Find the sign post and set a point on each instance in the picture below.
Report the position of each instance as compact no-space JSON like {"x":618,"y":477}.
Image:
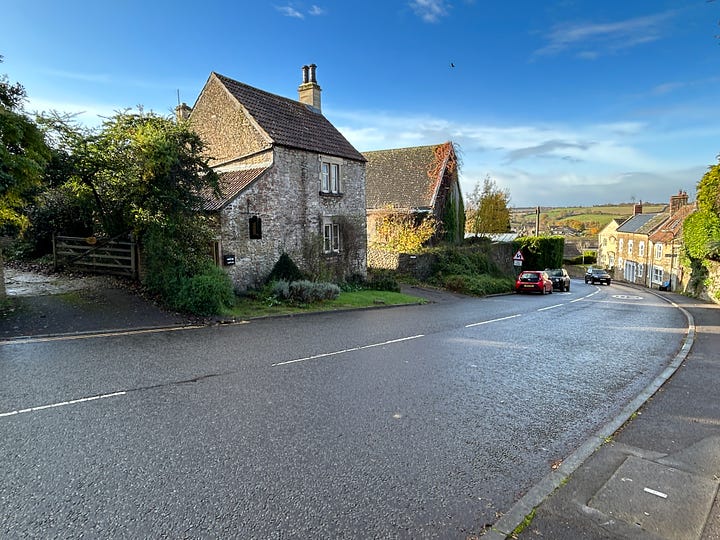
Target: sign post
{"x":518,"y":259}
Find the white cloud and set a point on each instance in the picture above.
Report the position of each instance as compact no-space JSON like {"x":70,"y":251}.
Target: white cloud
{"x":546,"y":164}
{"x":316,"y":10}
{"x":430,"y":10}
{"x":290,"y":11}
{"x":592,"y":40}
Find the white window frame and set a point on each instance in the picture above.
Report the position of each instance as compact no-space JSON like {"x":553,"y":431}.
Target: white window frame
{"x":640,"y":270}
{"x":641,"y":249}
{"x":330,"y":176}
{"x":332,"y":242}
{"x":620,"y":245}
{"x":658,"y":251}
{"x":631,"y":244}
{"x":658,"y":271}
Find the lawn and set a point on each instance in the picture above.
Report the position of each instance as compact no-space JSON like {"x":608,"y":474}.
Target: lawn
{"x":247,"y":308}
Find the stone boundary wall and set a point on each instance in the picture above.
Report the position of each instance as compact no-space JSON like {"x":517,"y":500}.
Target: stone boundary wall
{"x":421,"y":266}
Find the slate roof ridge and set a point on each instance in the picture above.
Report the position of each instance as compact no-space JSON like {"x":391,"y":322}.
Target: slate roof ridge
{"x":289,"y":122}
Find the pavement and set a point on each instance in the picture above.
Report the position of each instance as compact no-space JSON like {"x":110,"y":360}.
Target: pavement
{"x":653,"y":472}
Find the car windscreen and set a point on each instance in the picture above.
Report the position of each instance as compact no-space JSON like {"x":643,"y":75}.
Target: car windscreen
{"x":530,"y":277}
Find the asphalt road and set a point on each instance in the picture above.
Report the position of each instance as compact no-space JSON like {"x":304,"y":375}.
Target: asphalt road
{"x":415,"y":422}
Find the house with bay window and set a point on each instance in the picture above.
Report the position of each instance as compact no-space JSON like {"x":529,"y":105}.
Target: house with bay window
{"x":290,"y":181}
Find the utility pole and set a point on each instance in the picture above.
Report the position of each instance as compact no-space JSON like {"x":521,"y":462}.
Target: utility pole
{"x":537,"y":221}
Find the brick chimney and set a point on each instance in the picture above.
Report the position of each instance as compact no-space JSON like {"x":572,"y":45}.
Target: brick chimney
{"x":309,"y":90}
{"x":182,"y":112}
{"x":637,"y":209}
{"x":678,"y":201}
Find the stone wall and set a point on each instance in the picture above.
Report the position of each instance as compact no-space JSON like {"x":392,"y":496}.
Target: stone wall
{"x":223,"y":126}
{"x":421,"y":266}
{"x":288,"y":202}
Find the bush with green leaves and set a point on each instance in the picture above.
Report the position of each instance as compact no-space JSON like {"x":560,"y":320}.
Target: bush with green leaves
{"x":207,"y":292}
{"x":305,"y":292}
{"x":541,"y":251}
{"x":479,"y":285}
{"x":285,"y":269}
{"x":179,"y":269}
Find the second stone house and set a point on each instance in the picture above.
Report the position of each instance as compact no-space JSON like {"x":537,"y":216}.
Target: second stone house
{"x":643,"y":241}
{"x":291,"y":183}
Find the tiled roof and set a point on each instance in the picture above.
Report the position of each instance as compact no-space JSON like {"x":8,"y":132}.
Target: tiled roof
{"x":291,"y":123}
{"x":673,"y":226}
{"x":399,"y":177}
{"x":231,"y":184}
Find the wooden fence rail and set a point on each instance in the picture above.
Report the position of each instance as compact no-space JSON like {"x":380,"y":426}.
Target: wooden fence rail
{"x":95,"y":255}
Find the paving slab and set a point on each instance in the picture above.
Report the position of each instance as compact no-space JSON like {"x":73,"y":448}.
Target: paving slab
{"x":663,"y":500}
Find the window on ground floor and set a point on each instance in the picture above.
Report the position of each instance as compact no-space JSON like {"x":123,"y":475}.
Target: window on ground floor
{"x":658,"y":274}
{"x":331,"y":237}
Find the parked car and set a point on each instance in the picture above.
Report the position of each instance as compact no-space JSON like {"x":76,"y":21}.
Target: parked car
{"x":533,"y":281}
{"x":597,"y":275}
{"x":560,"y":278}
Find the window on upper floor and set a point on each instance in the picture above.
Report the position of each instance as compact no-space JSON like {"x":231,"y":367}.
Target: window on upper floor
{"x":641,"y":249}
{"x":658,"y":251}
{"x":255,"y":225}
{"x":330,"y":177}
{"x":331,"y":237}
{"x":630,"y":247}
{"x":620,"y":245}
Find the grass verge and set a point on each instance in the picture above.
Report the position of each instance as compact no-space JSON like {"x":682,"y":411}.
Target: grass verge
{"x":247,"y":308}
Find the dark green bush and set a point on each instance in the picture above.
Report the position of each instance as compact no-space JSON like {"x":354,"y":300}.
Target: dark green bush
{"x":540,"y":251}
{"x":285,"y":269}
{"x":382,"y":280}
{"x":479,"y":285}
{"x":207,"y":293}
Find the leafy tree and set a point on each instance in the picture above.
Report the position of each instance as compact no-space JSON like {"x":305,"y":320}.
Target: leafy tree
{"x":701,"y":230}
{"x":404,"y":233}
{"x":23,"y":155}
{"x":145,"y":174}
{"x":488,"y":209}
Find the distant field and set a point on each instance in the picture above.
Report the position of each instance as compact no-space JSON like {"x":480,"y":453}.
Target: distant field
{"x":590,"y":217}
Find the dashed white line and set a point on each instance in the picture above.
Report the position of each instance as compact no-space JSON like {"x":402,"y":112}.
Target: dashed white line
{"x":334,"y":353}
{"x":61,"y":404}
{"x":491,"y":321}
{"x":551,"y":307}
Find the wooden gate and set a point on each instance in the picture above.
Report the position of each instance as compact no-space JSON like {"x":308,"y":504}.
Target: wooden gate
{"x":103,"y":256}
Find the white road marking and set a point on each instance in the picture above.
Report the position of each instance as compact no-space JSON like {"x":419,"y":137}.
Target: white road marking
{"x":550,"y":307}
{"x":90,"y":335}
{"x":491,"y":321}
{"x":334,"y":353}
{"x":658,"y":493}
{"x":61,"y":404}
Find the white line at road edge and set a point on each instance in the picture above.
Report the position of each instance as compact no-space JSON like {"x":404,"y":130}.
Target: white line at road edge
{"x":491,"y":321}
{"x":347,"y":350}
{"x":62,"y":404}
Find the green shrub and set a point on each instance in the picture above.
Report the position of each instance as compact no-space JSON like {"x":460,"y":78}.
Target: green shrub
{"x":478,"y":285}
{"x":304,"y":292}
{"x":382,"y":280}
{"x":540,"y":251}
{"x":285,"y":269}
{"x":207,"y":293}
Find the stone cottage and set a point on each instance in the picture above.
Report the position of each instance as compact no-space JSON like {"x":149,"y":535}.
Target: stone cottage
{"x":649,"y":244}
{"x":291,"y":183}
{"x":418,"y":181}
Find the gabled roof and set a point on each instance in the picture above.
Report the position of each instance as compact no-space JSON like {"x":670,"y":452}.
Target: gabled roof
{"x":231,"y":184}
{"x":399,"y":178}
{"x":642,"y":223}
{"x":290,"y":123}
{"x":673,"y":226}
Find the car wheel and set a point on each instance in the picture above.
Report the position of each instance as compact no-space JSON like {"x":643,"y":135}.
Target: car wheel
{"x":567,"y":288}
{"x":550,"y":291}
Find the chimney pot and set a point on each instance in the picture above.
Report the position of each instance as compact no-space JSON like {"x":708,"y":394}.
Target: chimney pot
{"x":305,"y":74}
{"x":309,"y":90}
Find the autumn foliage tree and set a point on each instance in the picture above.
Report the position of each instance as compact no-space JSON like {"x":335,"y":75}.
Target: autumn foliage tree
{"x":488,"y":209}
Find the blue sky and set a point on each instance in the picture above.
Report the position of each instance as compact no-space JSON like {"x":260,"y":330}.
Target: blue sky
{"x":561,"y":102}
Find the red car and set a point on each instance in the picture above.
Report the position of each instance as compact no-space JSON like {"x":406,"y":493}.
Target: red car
{"x":534,"y":281}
